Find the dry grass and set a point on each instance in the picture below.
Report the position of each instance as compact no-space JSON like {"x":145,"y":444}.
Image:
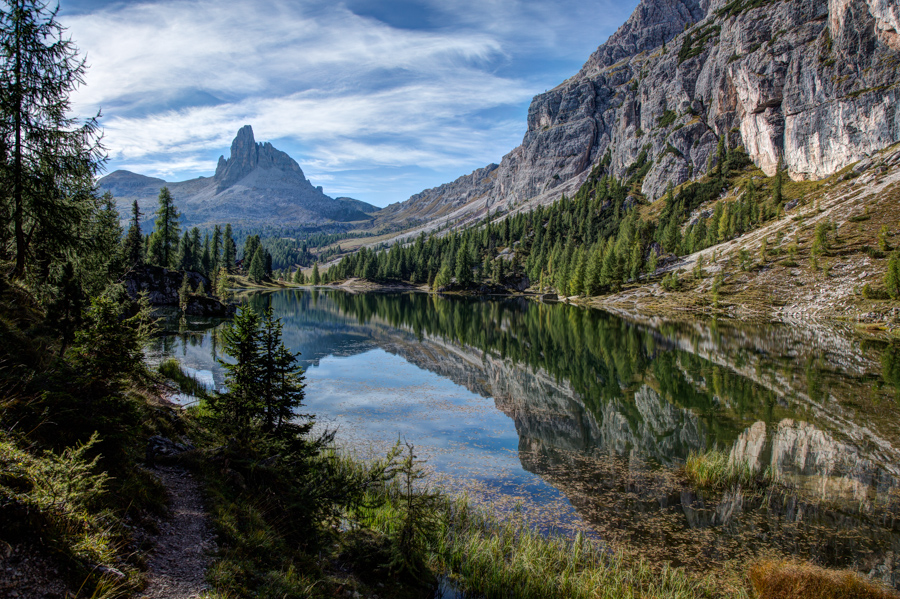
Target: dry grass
{"x":773,"y":579}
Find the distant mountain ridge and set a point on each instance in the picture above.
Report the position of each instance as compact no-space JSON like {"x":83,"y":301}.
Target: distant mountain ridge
{"x":257,"y":185}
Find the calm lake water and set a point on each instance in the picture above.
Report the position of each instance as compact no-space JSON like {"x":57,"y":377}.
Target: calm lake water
{"x":580,"y":418}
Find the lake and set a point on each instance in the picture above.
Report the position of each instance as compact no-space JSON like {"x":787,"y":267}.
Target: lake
{"x":579,"y":419}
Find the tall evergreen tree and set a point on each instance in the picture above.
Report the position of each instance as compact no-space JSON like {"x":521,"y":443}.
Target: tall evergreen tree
{"x":777,"y":193}
{"x":206,"y":257}
{"x":216,"y":250}
{"x":185,"y":254}
{"x":257,"y":271}
{"x":315,"y":274}
{"x":229,"y":249}
{"x":134,"y":241}
{"x":167,"y":230}
{"x":241,"y":404}
{"x":48,"y":163}
{"x":281,"y":377}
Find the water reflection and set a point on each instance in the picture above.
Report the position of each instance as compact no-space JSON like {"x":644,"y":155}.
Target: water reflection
{"x":602,"y":408}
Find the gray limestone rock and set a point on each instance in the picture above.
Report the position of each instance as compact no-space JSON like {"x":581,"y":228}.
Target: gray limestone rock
{"x":812,"y":82}
{"x":257,"y":184}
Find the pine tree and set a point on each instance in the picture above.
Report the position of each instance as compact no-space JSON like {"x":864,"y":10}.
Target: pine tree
{"x":166,"y":232}
{"x":777,"y":184}
{"x":49,"y":162}
{"x":238,"y":408}
{"x":281,"y":379}
{"x":443,"y":277}
{"x":196,"y":249}
{"x":257,"y":271}
{"x":206,"y":257}
{"x":652,"y":262}
{"x":134,"y":241}
{"x":216,"y":250}
{"x":636,"y":261}
{"x":223,"y":290}
{"x":229,"y":250}
{"x":892,"y":276}
{"x":185,"y":257}
{"x":464,"y":267}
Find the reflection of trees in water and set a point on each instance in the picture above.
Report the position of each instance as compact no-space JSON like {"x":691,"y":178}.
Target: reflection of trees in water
{"x":582,"y":384}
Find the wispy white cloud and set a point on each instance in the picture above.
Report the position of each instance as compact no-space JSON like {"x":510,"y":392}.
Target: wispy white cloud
{"x":177,"y":78}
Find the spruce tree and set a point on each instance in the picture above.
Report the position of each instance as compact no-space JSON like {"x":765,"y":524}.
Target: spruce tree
{"x":229,"y":249}
{"x":184,"y":292}
{"x":892,"y":276}
{"x":315,"y":275}
{"x":464,"y":267}
{"x":185,"y":257}
{"x":281,"y":378}
{"x":206,"y":257}
{"x":777,"y":197}
{"x":49,"y":162}
{"x":238,"y":408}
{"x":222,"y":290}
{"x":216,"y":250}
{"x":196,"y":248}
{"x":166,"y":230}
{"x":257,"y":271}
{"x":134,"y":241}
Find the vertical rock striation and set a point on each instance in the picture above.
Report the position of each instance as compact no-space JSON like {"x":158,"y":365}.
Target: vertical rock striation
{"x":812,"y":82}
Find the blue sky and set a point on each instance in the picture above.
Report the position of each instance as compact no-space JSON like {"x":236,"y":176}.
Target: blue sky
{"x":375,"y":100}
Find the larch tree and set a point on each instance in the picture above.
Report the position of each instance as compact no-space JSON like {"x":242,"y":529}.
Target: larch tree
{"x":48,"y":162}
{"x":257,"y":271}
{"x":134,"y":242}
{"x":164,"y":240}
{"x":229,"y":249}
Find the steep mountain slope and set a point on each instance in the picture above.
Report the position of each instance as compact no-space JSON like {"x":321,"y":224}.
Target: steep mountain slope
{"x":812,"y":82}
{"x":258,"y":184}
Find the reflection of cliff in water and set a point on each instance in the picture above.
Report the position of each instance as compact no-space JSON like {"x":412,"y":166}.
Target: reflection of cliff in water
{"x":676,"y":400}
{"x":598,"y":401}
{"x":652,"y":512}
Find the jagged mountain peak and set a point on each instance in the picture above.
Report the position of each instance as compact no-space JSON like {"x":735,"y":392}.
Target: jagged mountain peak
{"x":256,"y":184}
{"x":247,"y":155}
{"x":652,"y":23}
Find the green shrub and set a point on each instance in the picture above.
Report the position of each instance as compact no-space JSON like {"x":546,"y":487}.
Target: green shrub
{"x":874,"y":293}
{"x":892,"y":276}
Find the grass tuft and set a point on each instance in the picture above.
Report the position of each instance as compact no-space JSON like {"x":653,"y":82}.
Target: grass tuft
{"x":715,"y":471}
{"x":795,"y":580}
{"x":171,"y":369}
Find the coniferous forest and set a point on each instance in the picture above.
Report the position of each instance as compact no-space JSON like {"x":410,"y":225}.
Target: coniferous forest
{"x":100,"y":439}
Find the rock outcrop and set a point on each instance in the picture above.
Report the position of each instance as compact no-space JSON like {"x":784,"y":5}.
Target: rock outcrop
{"x":812,"y":82}
{"x":258,"y":184}
{"x":161,"y":286}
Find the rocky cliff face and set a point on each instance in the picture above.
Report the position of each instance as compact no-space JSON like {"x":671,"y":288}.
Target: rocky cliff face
{"x":257,"y":184}
{"x":812,"y":82}
{"x":247,"y":156}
